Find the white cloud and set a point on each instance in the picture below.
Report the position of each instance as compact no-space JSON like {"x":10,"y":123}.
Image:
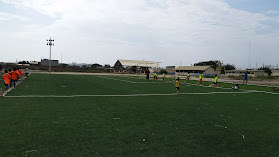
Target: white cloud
{"x":272,"y":12}
{"x":8,"y":17}
{"x":194,"y":30}
{"x":46,"y":7}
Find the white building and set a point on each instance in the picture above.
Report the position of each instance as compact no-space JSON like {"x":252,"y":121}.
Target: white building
{"x":134,"y":66}
{"x":252,"y":73}
{"x":275,"y":72}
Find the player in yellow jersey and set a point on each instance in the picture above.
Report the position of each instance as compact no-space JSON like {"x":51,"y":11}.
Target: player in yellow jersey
{"x":187,"y":78}
{"x":155,"y":76}
{"x":174,"y":78}
{"x":201,"y":77}
{"x":215,"y":80}
{"x":177,"y":85}
{"x":164,"y":75}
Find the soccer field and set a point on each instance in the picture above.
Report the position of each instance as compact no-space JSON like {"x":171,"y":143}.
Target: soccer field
{"x":83,"y":115}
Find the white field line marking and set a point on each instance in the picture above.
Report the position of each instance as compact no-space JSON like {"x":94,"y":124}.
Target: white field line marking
{"x":132,"y":81}
{"x":11,"y":88}
{"x":252,"y":91}
{"x":256,"y":91}
{"x":128,"y":95}
{"x":220,"y":126}
{"x":6,"y":92}
{"x":250,"y":84}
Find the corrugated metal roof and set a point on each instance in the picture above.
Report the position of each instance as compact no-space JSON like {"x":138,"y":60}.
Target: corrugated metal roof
{"x":244,"y":70}
{"x":192,"y":67}
{"x":137,"y":63}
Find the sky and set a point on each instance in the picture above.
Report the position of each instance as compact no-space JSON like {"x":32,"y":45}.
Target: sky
{"x":174,"y":32}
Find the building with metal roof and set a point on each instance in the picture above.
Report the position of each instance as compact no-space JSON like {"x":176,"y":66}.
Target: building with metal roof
{"x":195,"y":70}
{"x":134,"y":66}
{"x":123,"y":62}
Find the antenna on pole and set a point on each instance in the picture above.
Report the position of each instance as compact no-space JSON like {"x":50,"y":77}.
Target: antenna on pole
{"x":249,"y":56}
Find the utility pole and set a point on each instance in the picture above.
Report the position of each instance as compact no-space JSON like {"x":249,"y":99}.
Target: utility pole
{"x":157,"y":66}
{"x":50,"y":43}
{"x":179,"y":67}
{"x":249,"y":56}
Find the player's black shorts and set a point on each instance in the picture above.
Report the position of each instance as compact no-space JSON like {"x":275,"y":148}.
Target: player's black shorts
{"x":177,"y":88}
{"x":215,"y":82}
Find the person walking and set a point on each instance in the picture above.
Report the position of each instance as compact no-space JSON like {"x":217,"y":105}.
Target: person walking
{"x":147,"y":74}
{"x":245,"y":78}
{"x":26,"y":72}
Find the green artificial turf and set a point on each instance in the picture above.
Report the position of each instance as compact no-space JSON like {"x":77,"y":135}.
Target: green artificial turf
{"x":44,"y":84}
{"x":224,"y":124}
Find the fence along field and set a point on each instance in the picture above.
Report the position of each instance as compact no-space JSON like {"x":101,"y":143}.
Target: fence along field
{"x":70,"y":115}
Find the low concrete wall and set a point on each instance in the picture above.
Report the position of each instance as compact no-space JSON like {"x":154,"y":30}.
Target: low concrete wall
{"x":275,"y":73}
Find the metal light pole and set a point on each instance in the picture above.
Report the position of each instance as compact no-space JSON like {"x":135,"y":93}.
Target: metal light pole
{"x":179,"y":67}
{"x":50,"y":43}
{"x":157,"y":66}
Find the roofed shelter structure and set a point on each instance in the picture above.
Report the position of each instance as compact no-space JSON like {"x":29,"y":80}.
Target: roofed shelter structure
{"x":195,"y":70}
{"x":133,"y":66}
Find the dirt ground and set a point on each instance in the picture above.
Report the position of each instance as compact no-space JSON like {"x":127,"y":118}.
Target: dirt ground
{"x":271,"y":82}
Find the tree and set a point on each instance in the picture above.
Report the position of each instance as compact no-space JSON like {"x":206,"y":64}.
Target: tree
{"x":23,"y":62}
{"x":213,"y":63}
{"x":84,"y":67}
{"x":164,"y":71}
{"x":216,"y":63}
{"x":227,"y":67}
{"x":266,"y":69}
{"x":107,"y":65}
{"x":95,"y":66}
{"x":63,"y":65}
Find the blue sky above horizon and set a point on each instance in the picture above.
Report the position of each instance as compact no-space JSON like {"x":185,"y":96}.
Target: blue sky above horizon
{"x":169,"y":31}
{"x":255,"y":6}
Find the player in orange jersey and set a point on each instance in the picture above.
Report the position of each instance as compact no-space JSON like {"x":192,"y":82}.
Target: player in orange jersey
{"x":7,"y":78}
{"x":19,"y":71}
{"x":14,"y":76}
{"x":10,"y":73}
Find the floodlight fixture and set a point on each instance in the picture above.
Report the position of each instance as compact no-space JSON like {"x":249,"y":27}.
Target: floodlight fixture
{"x":49,"y":42}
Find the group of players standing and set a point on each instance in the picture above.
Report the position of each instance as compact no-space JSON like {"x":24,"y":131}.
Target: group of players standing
{"x":201,"y":77}
{"x":13,"y":76}
{"x":177,"y":79}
